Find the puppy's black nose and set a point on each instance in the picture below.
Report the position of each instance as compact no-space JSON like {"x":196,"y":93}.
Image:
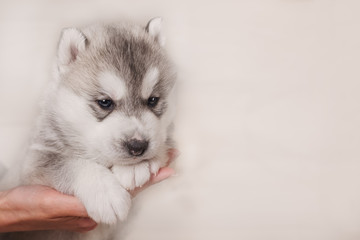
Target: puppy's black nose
{"x":136,"y":147}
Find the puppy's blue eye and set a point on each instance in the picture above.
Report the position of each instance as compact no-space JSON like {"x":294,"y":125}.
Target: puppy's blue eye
{"x":105,"y":103}
{"x":152,"y":101}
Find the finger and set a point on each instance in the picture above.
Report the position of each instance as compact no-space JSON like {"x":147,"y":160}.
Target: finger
{"x":65,"y":205}
{"x":162,"y":174}
{"x":172,"y":155}
{"x":72,"y":206}
{"x":74,"y":224}
{"x":85,"y":225}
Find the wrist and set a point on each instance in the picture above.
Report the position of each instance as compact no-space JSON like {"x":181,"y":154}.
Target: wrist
{"x":5,"y":218}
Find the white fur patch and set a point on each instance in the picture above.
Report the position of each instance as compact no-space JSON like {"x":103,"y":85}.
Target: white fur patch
{"x":155,"y":29}
{"x":149,"y":82}
{"x":71,"y":43}
{"x":100,"y":192}
{"x":113,"y":85}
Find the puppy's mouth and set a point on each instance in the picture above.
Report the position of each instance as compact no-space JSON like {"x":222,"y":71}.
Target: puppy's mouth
{"x":128,"y":156}
{"x":131,"y":160}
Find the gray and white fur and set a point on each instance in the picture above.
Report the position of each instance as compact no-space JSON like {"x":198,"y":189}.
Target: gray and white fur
{"x":106,"y":121}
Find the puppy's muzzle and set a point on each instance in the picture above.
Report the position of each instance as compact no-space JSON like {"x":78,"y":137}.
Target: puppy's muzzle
{"x":136,"y":147}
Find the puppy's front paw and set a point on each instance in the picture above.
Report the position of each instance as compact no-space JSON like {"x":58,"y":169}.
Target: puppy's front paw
{"x":104,"y":199}
{"x":132,"y":176}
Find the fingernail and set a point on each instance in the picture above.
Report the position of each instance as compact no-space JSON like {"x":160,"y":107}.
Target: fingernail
{"x":164,"y":173}
{"x":87,"y":223}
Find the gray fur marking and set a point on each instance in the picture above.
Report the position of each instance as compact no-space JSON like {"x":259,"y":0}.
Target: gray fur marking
{"x":127,"y":54}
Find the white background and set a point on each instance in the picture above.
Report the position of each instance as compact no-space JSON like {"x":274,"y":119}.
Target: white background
{"x":268,"y":115}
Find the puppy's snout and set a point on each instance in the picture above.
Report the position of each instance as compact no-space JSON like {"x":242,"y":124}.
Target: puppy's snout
{"x":136,"y":147}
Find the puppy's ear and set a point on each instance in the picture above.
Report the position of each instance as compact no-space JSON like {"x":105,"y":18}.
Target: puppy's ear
{"x":154,"y":28}
{"x":72,"y":42}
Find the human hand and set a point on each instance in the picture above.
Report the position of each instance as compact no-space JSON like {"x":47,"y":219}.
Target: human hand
{"x":37,"y":207}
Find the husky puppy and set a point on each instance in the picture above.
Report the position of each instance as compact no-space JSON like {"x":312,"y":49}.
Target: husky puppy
{"x":106,"y":121}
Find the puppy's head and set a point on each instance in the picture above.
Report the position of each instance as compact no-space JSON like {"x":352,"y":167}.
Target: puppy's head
{"x":114,"y":94}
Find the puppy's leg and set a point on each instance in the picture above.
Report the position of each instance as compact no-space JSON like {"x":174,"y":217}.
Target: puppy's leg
{"x":97,"y":188}
{"x":101,"y":193}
